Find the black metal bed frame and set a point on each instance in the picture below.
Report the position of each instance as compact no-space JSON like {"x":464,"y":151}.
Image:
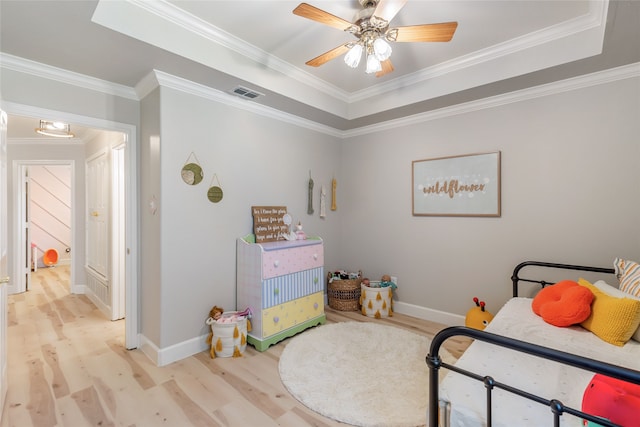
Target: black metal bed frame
{"x":556,"y":407}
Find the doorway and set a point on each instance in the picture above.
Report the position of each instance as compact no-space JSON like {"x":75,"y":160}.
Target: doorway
{"x":44,"y":212}
{"x":126,"y":234}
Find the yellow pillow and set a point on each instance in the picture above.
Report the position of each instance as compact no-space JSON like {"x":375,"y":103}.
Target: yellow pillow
{"x":612,"y":319}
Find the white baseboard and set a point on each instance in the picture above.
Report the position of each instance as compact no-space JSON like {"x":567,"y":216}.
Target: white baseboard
{"x":148,"y":348}
{"x":430,"y":314}
{"x":104,"y":309}
{"x":425,"y":313}
{"x":173,"y":353}
{"x":78,"y":289}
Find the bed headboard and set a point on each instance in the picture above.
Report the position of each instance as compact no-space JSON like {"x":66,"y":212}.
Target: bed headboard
{"x":516,"y":279}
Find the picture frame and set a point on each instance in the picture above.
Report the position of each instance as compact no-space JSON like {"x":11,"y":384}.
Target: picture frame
{"x":464,"y":185}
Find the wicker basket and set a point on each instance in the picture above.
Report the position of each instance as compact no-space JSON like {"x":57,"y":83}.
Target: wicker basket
{"x":344,"y":295}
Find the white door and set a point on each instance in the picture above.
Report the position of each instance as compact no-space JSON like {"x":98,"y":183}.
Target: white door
{"x":4,"y":279}
{"x":98,"y":238}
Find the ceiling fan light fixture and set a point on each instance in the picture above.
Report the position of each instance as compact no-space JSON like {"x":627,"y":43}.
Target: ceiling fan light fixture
{"x":370,"y":26}
{"x":352,"y":58}
{"x":381,"y":49}
{"x":373,"y":64}
{"x":54,"y":129}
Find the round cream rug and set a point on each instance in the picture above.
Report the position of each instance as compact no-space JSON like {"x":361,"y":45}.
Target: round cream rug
{"x":361,"y":373}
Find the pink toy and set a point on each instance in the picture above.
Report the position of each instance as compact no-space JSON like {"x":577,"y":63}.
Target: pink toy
{"x":234,"y":316}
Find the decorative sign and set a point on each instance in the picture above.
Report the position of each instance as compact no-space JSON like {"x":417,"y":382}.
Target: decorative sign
{"x":214,"y":194}
{"x":466,"y":185}
{"x":192,"y":172}
{"x":269,"y":223}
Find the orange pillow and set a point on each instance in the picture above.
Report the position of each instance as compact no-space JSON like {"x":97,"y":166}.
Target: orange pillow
{"x":550,"y":294}
{"x":563,"y":304}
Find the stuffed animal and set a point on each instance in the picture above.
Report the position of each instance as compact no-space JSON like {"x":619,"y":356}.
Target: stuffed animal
{"x":385,"y":282}
{"x":612,"y":399}
{"x":214,"y":314}
{"x":478,"y":317}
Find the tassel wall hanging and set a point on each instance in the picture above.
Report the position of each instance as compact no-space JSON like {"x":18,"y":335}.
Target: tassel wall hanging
{"x":310,"y":204}
{"x":323,"y":196}
{"x":334,"y":184}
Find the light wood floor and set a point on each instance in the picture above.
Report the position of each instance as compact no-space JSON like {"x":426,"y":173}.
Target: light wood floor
{"x":68,"y":367}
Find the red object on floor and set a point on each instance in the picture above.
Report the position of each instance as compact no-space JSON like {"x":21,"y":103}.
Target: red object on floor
{"x":50,"y":257}
{"x":613,"y":399}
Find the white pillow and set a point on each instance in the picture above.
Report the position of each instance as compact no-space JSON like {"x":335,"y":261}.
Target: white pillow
{"x":615,"y":292}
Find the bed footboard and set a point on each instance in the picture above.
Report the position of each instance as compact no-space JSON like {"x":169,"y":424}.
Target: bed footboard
{"x":555,"y":406}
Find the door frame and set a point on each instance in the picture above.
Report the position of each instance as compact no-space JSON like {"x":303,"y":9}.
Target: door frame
{"x":132,"y":339}
{"x":118,"y":232}
{"x":4,"y":247}
{"x":20,"y":200}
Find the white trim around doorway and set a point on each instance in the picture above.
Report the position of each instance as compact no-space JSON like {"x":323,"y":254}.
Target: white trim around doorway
{"x":132,"y":338}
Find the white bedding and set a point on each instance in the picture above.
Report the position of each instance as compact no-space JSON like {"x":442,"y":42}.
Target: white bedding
{"x":535,"y":375}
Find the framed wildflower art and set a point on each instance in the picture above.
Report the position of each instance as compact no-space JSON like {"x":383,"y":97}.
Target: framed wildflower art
{"x":467,"y":185}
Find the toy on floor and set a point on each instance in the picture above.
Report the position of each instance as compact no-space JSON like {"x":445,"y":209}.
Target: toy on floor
{"x":343,"y":275}
{"x":478,"y":317}
{"x":230,"y":329}
{"x":385,"y":282}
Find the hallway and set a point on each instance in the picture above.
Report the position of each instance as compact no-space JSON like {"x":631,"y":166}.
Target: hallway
{"x":52,"y":351}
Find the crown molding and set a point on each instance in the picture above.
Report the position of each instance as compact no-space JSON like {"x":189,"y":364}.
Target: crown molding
{"x":574,"y":83}
{"x":169,"y":12}
{"x":172,"y":13}
{"x":197,"y":39}
{"x":160,"y":78}
{"x":595,"y":18}
{"x":38,"y":69}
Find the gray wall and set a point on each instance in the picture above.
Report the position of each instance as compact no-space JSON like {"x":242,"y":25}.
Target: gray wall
{"x":151,"y":319}
{"x":257,"y":161}
{"x":569,"y":177}
{"x":568,"y":171}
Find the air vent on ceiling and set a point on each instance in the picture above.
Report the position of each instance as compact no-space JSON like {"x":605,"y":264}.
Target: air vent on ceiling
{"x":246,"y":93}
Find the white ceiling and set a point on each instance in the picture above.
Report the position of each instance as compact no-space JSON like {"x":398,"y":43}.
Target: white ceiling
{"x":272,"y":27}
{"x":499,"y":46}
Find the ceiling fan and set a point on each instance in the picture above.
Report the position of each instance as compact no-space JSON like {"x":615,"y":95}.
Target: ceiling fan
{"x":371,"y":28}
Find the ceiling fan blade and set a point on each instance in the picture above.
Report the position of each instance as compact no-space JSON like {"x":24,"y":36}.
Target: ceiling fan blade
{"x":387,"y":9}
{"x":328,"y":56}
{"x":311,"y":12}
{"x":387,"y":67}
{"x":427,"y":33}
